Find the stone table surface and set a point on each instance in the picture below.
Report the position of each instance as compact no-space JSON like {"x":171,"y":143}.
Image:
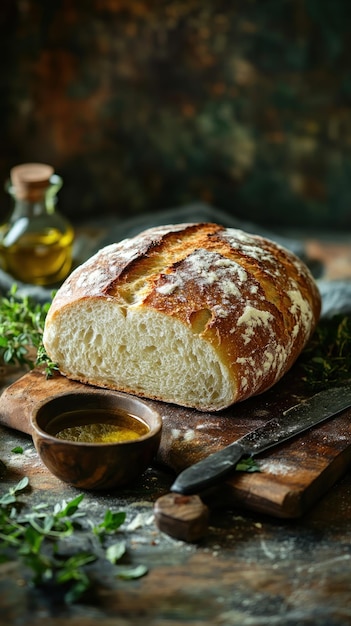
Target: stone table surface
{"x":248,"y":570}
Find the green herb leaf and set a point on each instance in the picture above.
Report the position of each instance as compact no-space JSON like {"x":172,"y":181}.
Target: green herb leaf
{"x":133,"y":572}
{"x":70,"y":569}
{"x":70,"y":508}
{"x":115,"y":551}
{"x":10,"y":496}
{"x":17,"y":450}
{"x":33,"y":541}
{"x":23,"y":483}
{"x":112,"y":521}
{"x":247,"y":465}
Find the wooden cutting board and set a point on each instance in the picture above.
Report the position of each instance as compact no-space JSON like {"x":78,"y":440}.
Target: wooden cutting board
{"x":293,"y":475}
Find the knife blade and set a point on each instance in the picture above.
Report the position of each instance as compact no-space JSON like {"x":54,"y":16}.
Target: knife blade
{"x":299,"y":418}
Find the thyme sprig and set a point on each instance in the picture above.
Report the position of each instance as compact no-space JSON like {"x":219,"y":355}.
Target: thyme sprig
{"x":38,"y":537}
{"x":326,"y":360}
{"x":21,"y":331}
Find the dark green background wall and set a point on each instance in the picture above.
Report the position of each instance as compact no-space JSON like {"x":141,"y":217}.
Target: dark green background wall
{"x":144,"y":105}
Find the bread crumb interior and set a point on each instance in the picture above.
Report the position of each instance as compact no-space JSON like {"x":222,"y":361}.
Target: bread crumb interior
{"x":146,"y":352}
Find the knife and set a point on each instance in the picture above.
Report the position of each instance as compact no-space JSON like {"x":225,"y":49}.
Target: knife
{"x":206,"y":473}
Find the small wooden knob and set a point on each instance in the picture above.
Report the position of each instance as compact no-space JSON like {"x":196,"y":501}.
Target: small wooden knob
{"x":181,"y":516}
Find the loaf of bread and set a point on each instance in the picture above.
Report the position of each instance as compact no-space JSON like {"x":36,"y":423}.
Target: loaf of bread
{"x":193,"y":314}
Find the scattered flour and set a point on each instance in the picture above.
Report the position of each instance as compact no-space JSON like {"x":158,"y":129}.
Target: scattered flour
{"x":276,"y":467}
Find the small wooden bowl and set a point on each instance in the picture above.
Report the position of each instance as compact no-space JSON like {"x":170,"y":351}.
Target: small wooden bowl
{"x":96,"y":466}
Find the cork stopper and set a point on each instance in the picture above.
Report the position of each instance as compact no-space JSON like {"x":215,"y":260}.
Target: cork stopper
{"x":31,"y":179}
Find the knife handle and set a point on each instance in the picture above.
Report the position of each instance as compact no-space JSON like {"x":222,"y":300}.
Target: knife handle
{"x":209,"y":471}
{"x":182,"y":514}
{"x":183,"y":517}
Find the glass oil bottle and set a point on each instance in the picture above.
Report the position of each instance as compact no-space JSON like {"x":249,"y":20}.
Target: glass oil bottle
{"x":36,"y":242}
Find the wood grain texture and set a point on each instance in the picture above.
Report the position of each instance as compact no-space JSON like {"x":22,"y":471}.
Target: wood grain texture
{"x":293,"y":476}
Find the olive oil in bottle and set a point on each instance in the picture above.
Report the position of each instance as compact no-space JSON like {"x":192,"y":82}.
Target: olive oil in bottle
{"x":36,"y":242}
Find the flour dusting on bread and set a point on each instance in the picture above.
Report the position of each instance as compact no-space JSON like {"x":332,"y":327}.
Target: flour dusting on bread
{"x":194,"y":314}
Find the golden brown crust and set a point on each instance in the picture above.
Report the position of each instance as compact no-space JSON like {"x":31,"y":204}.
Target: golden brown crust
{"x":254,"y":301}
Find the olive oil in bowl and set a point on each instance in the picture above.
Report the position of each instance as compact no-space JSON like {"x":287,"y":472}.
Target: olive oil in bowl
{"x":96,"y":439}
{"x":98,"y":426}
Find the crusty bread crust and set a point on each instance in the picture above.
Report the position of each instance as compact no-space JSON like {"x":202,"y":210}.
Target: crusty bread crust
{"x":243,"y":305}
